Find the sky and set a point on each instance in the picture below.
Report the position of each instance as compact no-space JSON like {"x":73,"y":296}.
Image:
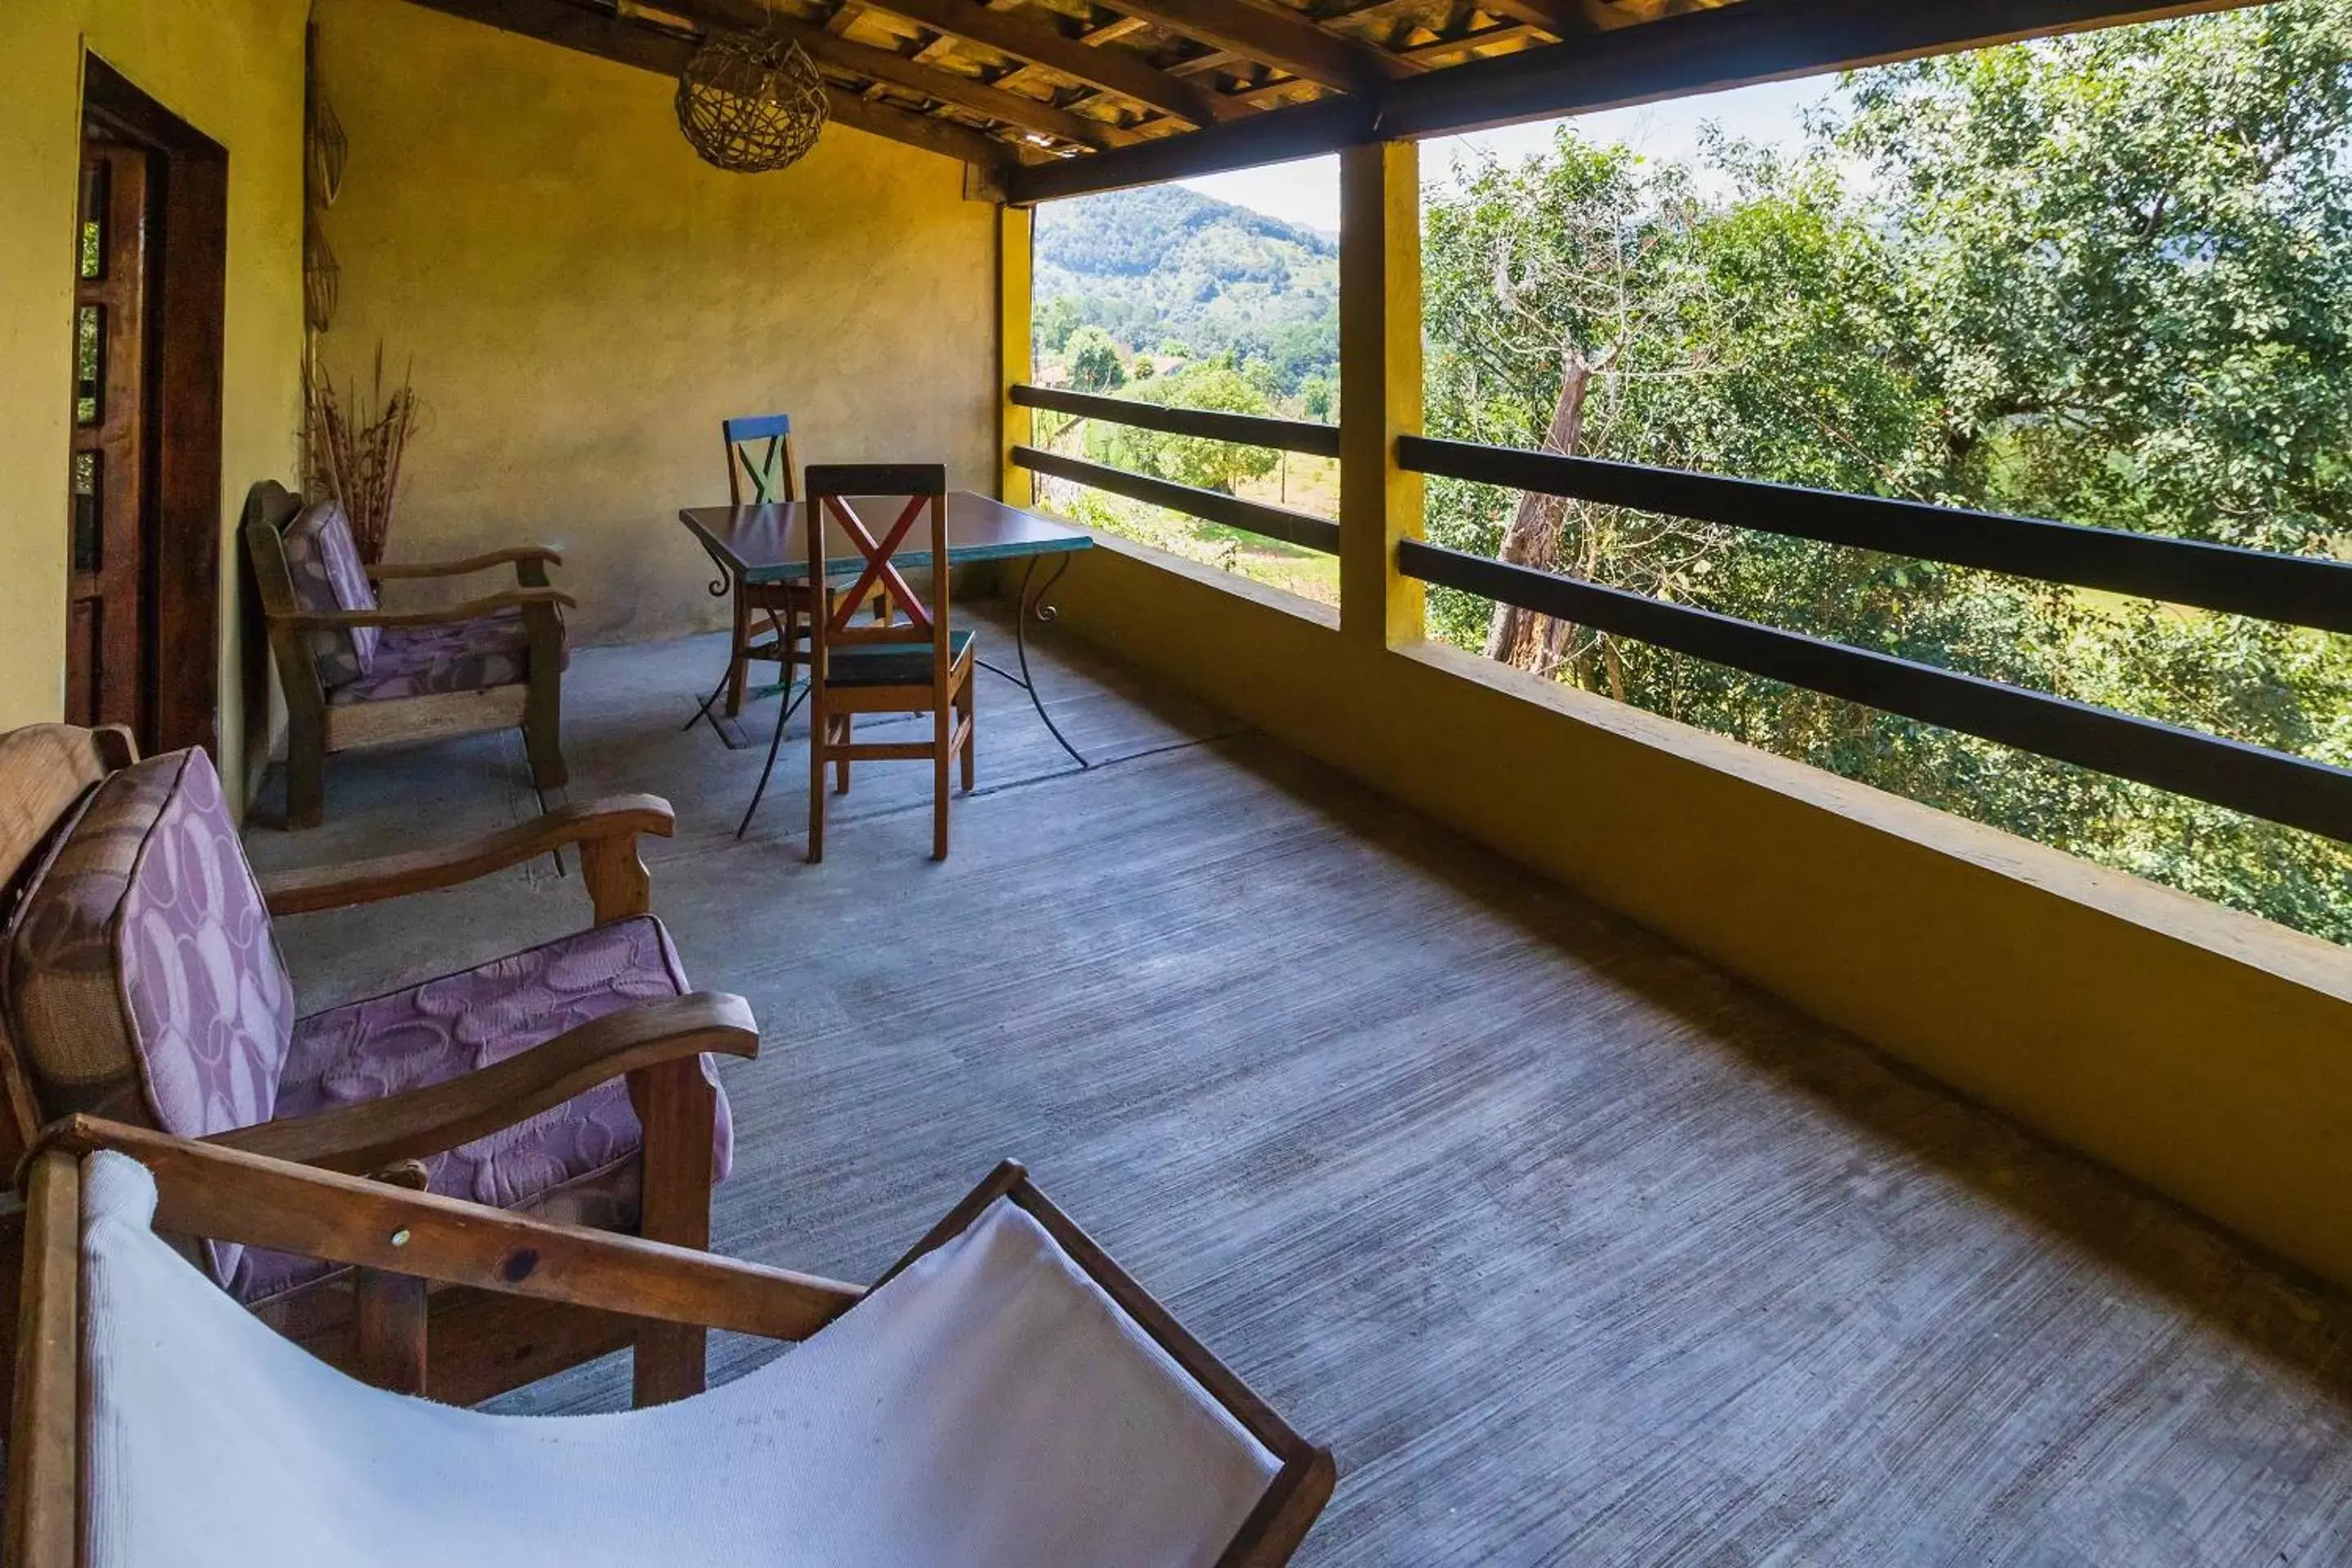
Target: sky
{"x":1307,"y":190}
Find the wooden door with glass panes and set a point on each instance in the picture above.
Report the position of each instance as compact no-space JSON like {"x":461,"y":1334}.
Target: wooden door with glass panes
{"x":107,"y":657}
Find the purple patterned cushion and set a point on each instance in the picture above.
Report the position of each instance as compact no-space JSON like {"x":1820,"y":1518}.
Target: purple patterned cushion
{"x":576,"y":1163}
{"x":324,"y":562}
{"x":144,"y":981}
{"x":470,"y":656}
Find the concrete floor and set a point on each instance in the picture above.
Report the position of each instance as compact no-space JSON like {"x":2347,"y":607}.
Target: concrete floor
{"x":1574,"y":1250}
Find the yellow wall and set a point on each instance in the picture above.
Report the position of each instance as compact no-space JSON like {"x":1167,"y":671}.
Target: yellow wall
{"x":583,"y":300}
{"x":2203,"y":1051}
{"x":232,"y":68}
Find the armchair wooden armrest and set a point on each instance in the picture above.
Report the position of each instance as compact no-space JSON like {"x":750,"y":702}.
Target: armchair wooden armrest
{"x":364,"y":1138}
{"x":606,"y":831}
{"x":508,"y":598}
{"x":514,"y":555}
{"x":207,"y":1190}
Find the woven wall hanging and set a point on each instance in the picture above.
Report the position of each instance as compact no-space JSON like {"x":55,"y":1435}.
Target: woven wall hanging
{"x":751,"y":102}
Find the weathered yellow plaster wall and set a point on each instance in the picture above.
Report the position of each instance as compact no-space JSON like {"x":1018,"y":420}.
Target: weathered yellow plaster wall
{"x":232,"y":68}
{"x":2206,"y":1052}
{"x":583,"y":300}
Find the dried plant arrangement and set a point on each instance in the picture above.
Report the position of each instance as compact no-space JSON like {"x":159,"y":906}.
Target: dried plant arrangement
{"x":356,"y":442}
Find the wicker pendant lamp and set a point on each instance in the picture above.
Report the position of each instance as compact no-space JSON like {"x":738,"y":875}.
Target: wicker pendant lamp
{"x":751,"y":102}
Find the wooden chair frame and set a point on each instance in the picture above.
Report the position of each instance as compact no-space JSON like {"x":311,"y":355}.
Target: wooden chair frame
{"x":236,"y":1195}
{"x":317,"y":728}
{"x":784,"y":609}
{"x":946,"y":694}
{"x":491,"y":1343}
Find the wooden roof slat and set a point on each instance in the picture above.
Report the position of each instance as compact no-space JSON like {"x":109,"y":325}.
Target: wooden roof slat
{"x":1477,"y":38}
{"x":1113,"y":71}
{"x":1367,"y":11}
{"x":1215,"y":59}
{"x":1560,"y":18}
{"x":1273,"y":34}
{"x":1270,"y":93}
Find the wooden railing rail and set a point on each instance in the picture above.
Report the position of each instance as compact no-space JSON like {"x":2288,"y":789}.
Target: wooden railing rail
{"x":1292,"y":527}
{"x":1286,"y":523}
{"x":2298,"y":590}
{"x":1242,"y":429}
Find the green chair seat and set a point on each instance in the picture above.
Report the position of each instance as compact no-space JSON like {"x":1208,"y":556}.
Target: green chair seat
{"x":889,"y":664}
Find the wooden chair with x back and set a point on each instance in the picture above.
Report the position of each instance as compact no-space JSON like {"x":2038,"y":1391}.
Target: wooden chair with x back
{"x":760,"y":466}
{"x":920,"y":664}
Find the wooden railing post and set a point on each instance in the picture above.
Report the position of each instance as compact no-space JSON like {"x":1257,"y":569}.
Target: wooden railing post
{"x":1013,"y":421}
{"x":1380,"y":388}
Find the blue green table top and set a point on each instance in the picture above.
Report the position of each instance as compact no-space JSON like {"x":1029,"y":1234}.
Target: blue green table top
{"x":770,"y":543}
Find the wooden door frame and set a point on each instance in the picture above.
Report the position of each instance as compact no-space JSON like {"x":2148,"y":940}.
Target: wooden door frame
{"x":185,"y":513}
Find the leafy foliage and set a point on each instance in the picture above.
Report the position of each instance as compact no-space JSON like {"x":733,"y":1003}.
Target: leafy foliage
{"x":1193,"y":460}
{"x":2106,"y":279}
{"x":1093,"y":360}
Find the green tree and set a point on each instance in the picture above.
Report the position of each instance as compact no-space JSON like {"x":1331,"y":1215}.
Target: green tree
{"x":1054,"y":321}
{"x":1315,"y":397}
{"x":1589,"y":304}
{"x":2106,"y":279}
{"x":1192,"y":459}
{"x":2130,"y":255}
{"x":1093,"y":360}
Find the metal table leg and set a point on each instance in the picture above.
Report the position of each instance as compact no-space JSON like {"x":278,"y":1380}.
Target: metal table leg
{"x":719,"y":587}
{"x":1035,"y":603}
{"x":738,"y":740}
{"x":784,"y":711}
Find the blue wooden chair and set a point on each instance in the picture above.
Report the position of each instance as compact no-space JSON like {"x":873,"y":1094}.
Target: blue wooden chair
{"x":761,"y":471}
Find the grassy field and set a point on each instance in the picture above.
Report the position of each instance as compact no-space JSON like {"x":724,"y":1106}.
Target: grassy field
{"x":1311,"y":485}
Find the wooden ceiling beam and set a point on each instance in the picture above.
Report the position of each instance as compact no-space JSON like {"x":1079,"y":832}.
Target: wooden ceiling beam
{"x":1113,"y":71}
{"x":1273,"y":34}
{"x":664,"y":52}
{"x":1697,"y":52}
{"x":1215,"y":59}
{"x":1277,"y":136}
{"x":1732,"y":46}
{"x":883,"y":65}
{"x":990,"y":157}
{"x":1118,"y":27}
{"x":584,"y":29}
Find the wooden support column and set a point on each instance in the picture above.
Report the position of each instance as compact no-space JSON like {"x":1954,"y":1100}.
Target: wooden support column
{"x":1013,"y":423}
{"x":1380,"y":388}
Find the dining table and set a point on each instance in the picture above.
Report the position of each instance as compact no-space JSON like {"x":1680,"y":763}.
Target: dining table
{"x":769,"y":543}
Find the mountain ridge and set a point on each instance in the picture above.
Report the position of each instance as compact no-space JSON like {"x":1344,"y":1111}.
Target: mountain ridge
{"x":1170,"y":272}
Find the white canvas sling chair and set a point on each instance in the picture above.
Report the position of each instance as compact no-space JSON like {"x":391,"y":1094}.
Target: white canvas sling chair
{"x":1005,"y":1397}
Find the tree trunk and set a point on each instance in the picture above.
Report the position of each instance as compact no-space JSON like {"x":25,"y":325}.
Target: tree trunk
{"x":1518,"y":637}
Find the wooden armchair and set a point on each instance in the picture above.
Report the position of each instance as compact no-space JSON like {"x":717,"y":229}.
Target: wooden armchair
{"x":356,"y":674}
{"x":1005,"y":1397}
{"x":139,"y":980}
